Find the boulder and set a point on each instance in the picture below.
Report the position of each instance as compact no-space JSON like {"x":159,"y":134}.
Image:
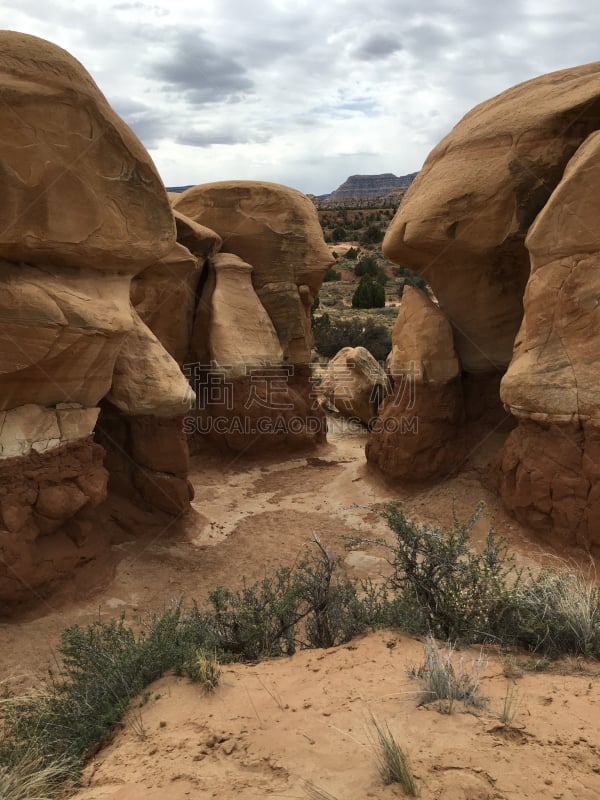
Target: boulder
{"x":416,"y":436}
{"x":463,"y":222}
{"x":277,"y":231}
{"x":355,"y":384}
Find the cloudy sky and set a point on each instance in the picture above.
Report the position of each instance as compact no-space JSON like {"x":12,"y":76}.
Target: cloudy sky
{"x":305,"y":92}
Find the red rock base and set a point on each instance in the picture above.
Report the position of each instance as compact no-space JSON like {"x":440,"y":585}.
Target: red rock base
{"x":147,"y":459}
{"x":417,"y":436}
{"x":549,"y":478}
{"x":268,"y":411}
{"x":46,"y":512}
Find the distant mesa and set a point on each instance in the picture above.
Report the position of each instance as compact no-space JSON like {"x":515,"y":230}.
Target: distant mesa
{"x":387,"y":187}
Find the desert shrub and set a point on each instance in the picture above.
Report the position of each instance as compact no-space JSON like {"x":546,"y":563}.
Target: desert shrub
{"x":330,"y":337}
{"x":372,"y":235}
{"x":107,"y":664}
{"x":410,"y":278}
{"x":338,"y":234}
{"x":352,"y":254}
{"x":439,"y":585}
{"x":553,"y":613}
{"x":332,"y":275}
{"x":448,"y":677}
{"x":367,"y":265}
{"x":368,"y":294}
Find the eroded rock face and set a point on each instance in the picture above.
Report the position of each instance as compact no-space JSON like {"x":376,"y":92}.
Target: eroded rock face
{"x":164,"y":296}
{"x":277,"y":231}
{"x":502,"y":222}
{"x":233,"y":330}
{"x":84,"y":210}
{"x":552,"y":384}
{"x":416,"y":437}
{"x":254,"y":312}
{"x":463,"y":221}
{"x":355,"y":384}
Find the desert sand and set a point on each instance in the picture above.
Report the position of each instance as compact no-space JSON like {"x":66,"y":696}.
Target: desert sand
{"x":271,"y":727}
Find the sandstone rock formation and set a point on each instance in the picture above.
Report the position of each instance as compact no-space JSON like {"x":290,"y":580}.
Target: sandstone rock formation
{"x":355,"y":384}
{"x":416,"y":436}
{"x":463,"y":221}
{"x":550,"y":470}
{"x":84,"y":211}
{"x":253,"y":317}
{"x":501,"y":221}
{"x":233,"y":330}
{"x":277,"y":231}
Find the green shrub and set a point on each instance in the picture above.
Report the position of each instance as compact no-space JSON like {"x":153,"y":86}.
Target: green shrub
{"x":332,"y":275}
{"x":338,"y":234}
{"x":330,"y":337}
{"x":411,"y":278}
{"x":352,"y":254}
{"x":367,"y":265}
{"x":372,"y":235}
{"x":368,"y":294}
{"x":439,"y":585}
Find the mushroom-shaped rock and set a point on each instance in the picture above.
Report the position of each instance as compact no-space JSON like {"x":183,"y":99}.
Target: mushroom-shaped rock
{"x":415,"y":436}
{"x":355,"y":384}
{"x":277,"y":230}
{"x":240,"y":333}
{"x":463,"y":222}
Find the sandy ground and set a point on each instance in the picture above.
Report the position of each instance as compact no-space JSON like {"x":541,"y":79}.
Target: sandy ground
{"x":270,"y":727}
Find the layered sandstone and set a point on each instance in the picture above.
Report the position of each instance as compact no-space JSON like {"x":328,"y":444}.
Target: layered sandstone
{"x":252,"y":338}
{"x":550,"y":469}
{"x":84,"y":211}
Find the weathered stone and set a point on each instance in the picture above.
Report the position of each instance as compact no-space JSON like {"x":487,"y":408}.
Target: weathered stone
{"x":164,"y":296}
{"x":553,"y":376}
{"x":198,"y":239}
{"x":463,"y":222}
{"x":146,"y":379}
{"x":277,"y":231}
{"x":233,"y":331}
{"x":355,"y":384}
{"x":78,"y":187}
{"x":416,"y":435}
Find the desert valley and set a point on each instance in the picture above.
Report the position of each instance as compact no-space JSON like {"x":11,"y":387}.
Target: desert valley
{"x":291,"y":487}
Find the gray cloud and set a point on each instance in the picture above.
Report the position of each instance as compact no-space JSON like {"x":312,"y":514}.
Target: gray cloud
{"x":377,"y":46}
{"x":199,"y":70}
{"x":305,"y":94}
